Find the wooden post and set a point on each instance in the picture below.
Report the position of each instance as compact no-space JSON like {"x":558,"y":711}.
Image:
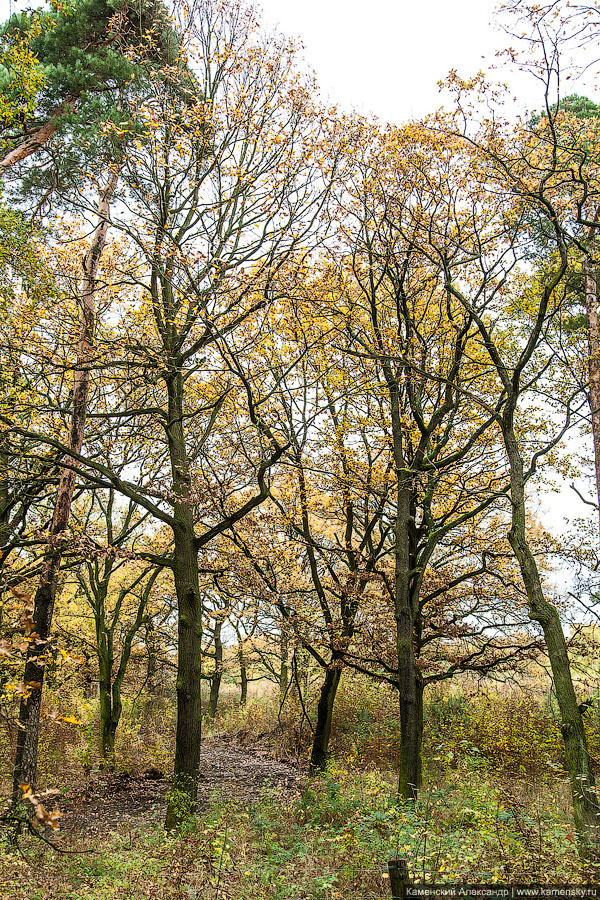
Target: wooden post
{"x":399,"y":880}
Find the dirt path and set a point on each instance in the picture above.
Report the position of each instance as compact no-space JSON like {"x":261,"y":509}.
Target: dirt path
{"x":108,"y":802}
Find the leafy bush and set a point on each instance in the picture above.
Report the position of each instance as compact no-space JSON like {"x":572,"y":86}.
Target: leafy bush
{"x":514,"y":731}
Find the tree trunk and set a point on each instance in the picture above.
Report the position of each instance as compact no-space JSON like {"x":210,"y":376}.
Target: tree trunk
{"x":283,"y":670}
{"x":243,"y":676}
{"x":117,"y":709}
{"x":111,"y":705}
{"x":183,"y":794}
{"x":107,"y":733}
{"x":419,"y":687}
{"x":409,"y":774}
{"x":320,"y":746}
{"x":104,"y":648}
{"x":153,"y":684}
{"x":25,"y":770}
{"x":4,"y":507}
{"x":583,"y":789}
{"x":593,"y":334}
{"x":215,"y":681}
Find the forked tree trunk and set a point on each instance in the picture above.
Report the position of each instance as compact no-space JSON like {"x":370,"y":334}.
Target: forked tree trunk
{"x":111,"y":682}
{"x":322,"y":733}
{"x":583,"y":789}
{"x":320,"y":745}
{"x":25,"y":770}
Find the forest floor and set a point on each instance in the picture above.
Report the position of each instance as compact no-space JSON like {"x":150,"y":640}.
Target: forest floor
{"x":108,"y":802}
{"x":264,"y":831}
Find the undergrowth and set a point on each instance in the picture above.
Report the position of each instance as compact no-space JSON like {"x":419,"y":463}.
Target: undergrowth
{"x":495,"y":805}
{"x":331,"y":839}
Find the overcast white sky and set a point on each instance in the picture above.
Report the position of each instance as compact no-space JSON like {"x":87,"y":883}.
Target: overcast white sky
{"x":386,"y":56}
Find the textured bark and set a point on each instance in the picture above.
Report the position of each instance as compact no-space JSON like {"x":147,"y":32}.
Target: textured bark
{"x":25,"y":769}
{"x":284,"y":676}
{"x":5,"y":529}
{"x":105,"y":666}
{"x":593,"y":334}
{"x":320,"y":746}
{"x":243,"y":677}
{"x":111,"y":704}
{"x":4,"y":496}
{"x":215,"y":681}
{"x":154,"y":684}
{"x":183,"y":795}
{"x":109,"y":720}
{"x":409,"y":774}
{"x":583,"y":790}
{"x":419,"y":691}
{"x":40,"y":137}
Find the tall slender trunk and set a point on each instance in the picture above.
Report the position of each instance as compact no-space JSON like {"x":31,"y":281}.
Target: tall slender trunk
{"x":333,"y":674}
{"x":111,"y":707}
{"x":115,"y":718}
{"x":583,"y":789}
{"x":283,"y":668}
{"x":215,"y":681}
{"x":105,"y":650}
{"x":320,"y":746}
{"x":593,"y":334}
{"x":183,"y":795}
{"x":4,"y":495}
{"x":107,"y":733}
{"x":152,"y":680}
{"x":409,"y":773}
{"x":25,"y":770}
{"x":4,"y":513}
{"x":108,"y":730}
{"x":419,"y":691}
{"x":243,"y":675}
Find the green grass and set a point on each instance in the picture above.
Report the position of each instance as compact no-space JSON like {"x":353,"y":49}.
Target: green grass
{"x":330,"y":840}
{"x":495,"y":806}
